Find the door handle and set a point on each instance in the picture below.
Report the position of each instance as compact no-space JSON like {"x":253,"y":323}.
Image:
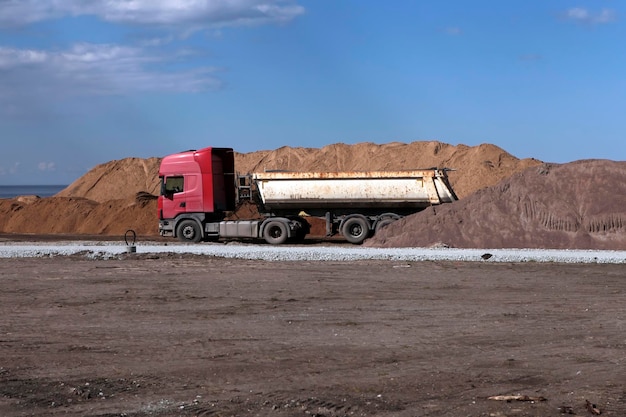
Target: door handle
{"x":183,"y":204}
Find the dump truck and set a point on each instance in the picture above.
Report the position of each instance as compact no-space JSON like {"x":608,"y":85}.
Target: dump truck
{"x":200,"y":189}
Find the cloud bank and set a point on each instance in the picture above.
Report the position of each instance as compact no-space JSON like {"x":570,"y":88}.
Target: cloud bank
{"x":98,"y":69}
{"x":201,"y":13}
{"x":31,"y":74}
{"x":582,"y":15}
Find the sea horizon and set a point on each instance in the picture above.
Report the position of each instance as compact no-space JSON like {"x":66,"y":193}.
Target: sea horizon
{"x":12,"y":191}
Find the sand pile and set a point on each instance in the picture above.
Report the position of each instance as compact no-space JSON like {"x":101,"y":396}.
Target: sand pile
{"x":104,"y":201}
{"x":476,"y":167}
{"x":578,"y":205}
{"x":75,"y":215}
{"x":117,"y":180}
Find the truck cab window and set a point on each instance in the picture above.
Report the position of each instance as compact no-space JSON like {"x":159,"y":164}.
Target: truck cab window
{"x":172,"y":185}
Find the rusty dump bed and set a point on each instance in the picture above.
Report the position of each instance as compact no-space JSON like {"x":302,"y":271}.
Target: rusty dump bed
{"x":377,"y":189}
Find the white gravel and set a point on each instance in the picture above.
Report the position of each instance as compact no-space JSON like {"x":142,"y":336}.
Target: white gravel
{"x":302,"y":253}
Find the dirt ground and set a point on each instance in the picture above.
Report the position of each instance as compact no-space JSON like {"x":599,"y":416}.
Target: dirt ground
{"x":182,"y":335}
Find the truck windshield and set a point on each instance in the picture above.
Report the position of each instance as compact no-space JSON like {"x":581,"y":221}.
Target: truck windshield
{"x":172,"y":185}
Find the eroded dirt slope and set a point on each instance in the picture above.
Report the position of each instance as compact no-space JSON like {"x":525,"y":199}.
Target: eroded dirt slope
{"x":579,"y":205}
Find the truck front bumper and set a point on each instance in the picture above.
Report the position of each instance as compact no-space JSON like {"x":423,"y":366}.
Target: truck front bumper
{"x":166,"y":228}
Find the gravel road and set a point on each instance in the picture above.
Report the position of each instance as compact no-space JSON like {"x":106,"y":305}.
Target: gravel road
{"x":330,"y":252}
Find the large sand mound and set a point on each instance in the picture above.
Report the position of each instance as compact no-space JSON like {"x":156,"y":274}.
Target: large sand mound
{"x":475,"y":167}
{"x":116,"y":180}
{"x":578,"y":205}
{"x":75,"y":215}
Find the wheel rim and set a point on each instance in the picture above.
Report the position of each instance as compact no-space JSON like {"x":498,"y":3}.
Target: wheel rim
{"x":188,"y":232}
{"x":356,"y":230}
{"x":276,"y":232}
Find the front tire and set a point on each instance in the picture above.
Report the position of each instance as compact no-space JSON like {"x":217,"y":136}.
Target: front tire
{"x":275,"y":233}
{"x":189,"y":232}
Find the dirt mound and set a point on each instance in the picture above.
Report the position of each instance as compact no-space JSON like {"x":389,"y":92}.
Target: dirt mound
{"x":475,"y":167}
{"x":578,"y":205}
{"x":75,"y":215}
{"x":109,"y":200}
{"x":116,"y":180}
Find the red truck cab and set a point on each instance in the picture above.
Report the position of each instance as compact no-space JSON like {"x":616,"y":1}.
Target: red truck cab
{"x":196,"y":186}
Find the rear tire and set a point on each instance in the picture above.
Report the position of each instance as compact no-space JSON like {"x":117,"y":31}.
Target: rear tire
{"x":383,"y":223}
{"x":355,"y":229}
{"x":275,"y":233}
{"x":189,"y":231}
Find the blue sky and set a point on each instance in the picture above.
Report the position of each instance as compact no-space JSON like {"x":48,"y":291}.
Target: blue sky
{"x":83,"y":82}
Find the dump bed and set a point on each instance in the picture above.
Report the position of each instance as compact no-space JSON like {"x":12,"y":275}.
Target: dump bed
{"x":369,"y":190}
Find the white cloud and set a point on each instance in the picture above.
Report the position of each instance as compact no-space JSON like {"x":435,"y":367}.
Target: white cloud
{"x":582,"y":15}
{"x":11,"y":170}
{"x":46,"y":166}
{"x":10,"y":57}
{"x":198,"y":13}
{"x":100,"y":69}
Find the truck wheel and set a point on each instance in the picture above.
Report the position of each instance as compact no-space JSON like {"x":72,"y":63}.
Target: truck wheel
{"x":383,"y":223}
{"x":189,"y":231}
{"x":275,"y":233}
{"x":355,"y":229}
